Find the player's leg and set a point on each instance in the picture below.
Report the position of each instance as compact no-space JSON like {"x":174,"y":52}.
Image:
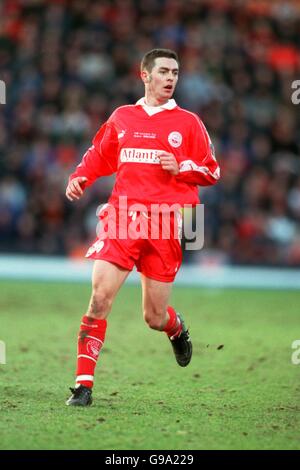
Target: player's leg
{"x":159,"y":315}
{"x":106,"y":281}
{"x":156,"y":296}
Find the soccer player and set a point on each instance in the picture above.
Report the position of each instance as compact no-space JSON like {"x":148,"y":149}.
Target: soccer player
{"x":160,"y":153}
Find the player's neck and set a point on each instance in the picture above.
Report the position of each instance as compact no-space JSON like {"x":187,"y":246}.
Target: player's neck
{"x":152,"y":101}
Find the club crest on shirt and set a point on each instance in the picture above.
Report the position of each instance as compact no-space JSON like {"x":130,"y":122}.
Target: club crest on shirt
{"x":175,"y":139}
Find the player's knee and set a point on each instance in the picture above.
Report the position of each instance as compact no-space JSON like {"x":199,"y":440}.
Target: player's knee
{"x":154,"y":319}
{"x":100,"y":304}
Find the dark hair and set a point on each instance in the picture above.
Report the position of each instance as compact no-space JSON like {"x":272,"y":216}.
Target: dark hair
{"x":150,"y":56}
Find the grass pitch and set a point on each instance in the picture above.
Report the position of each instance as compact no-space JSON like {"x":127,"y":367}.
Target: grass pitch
{"x":240,"y":391}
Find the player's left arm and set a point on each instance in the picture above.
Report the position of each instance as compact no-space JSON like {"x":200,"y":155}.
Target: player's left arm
{"x":200,"y":166}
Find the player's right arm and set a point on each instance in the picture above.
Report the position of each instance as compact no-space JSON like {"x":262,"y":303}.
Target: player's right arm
{"x":75,"y":188}
{"x":101,"y":159}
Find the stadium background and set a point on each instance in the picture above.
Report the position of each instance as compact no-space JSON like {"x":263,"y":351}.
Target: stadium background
{"x":67,"y":65}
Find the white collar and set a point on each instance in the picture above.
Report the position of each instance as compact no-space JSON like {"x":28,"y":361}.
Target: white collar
{"x":170,"y":104}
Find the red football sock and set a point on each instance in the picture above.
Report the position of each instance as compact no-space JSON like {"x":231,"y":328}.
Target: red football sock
{"x":173,"y":326}
{"x":90,"y":341}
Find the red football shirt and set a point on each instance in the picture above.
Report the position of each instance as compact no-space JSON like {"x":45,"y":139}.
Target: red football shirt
{"x":129,"y":144}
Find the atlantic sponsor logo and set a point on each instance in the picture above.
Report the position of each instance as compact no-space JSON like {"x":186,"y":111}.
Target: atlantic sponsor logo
{"x":140,"y":155}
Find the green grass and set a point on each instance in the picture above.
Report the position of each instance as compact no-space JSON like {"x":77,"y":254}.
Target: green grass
{"x":245,"y":395}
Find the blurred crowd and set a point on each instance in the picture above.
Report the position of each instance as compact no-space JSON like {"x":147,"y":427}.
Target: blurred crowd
{"x":68,"y":64}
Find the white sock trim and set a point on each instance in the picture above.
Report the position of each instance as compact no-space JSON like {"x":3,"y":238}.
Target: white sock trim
{"x":87,"y":357}
{"x":85,"y":377}
{"x":90,"y":325}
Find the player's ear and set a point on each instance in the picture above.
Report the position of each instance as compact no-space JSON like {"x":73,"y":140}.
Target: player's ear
{"x":145,"y":76}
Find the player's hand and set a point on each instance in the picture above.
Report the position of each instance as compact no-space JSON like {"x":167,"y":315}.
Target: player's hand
{"x":74,"y":189}
{"x":169,"y":163}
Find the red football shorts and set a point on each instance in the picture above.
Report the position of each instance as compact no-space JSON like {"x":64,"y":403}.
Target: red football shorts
{"x":151,"y":242}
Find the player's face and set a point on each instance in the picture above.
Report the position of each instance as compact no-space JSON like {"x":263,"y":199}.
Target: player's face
{"x":162,"y":80}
